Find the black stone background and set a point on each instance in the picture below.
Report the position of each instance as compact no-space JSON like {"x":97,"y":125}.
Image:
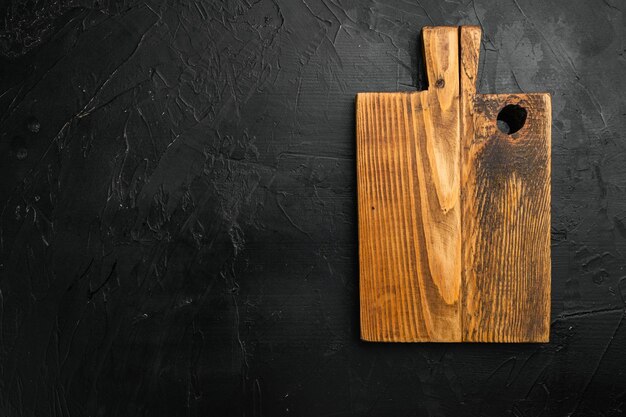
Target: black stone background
{"x":178,"y":225}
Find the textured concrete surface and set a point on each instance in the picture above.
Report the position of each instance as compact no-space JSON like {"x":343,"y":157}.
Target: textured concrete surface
{"x":178,"y":209}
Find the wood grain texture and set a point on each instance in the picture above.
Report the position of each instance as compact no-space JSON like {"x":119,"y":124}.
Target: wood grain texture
{"x":506,"y":212}
{"x":454,"y":215}
{"x":408,"y":166}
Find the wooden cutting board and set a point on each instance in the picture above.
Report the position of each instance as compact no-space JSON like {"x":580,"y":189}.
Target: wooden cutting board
{"x":454,"y":205}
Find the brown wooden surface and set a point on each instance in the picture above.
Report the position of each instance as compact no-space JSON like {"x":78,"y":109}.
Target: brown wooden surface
{"x":408,"y":148}
{"x":454,"y":215}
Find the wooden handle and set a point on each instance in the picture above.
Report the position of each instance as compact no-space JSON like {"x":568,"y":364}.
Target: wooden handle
{"x":441,"y":55}
{"x":470,"y":53}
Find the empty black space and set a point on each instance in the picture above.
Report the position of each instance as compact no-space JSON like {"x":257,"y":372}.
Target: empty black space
{"x":178,"y":229}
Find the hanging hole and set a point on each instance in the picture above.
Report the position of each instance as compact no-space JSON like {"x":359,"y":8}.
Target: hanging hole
{"x":511,"y":118}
